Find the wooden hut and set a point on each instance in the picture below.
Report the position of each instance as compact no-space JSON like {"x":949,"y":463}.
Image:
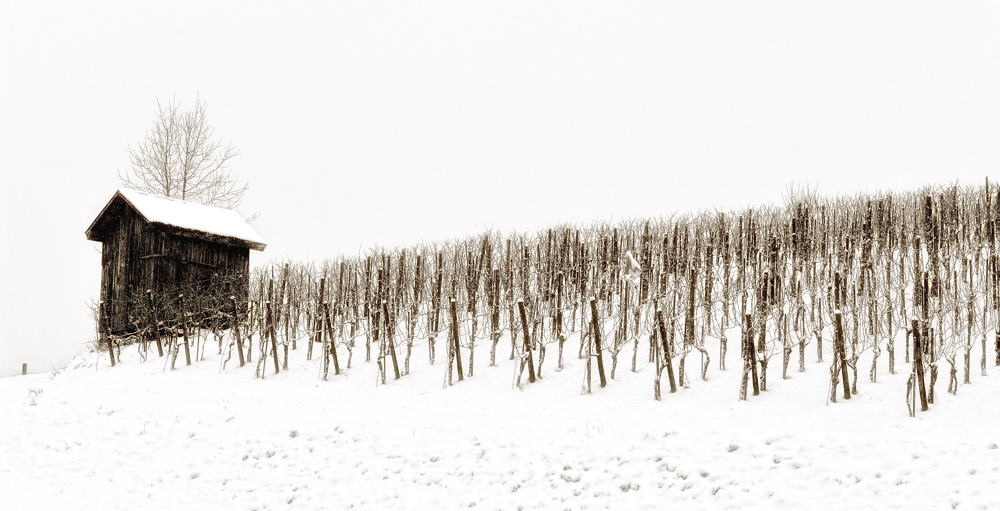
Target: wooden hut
{"x":157,"y":247}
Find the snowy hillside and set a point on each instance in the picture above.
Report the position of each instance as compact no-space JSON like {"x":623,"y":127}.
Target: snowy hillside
{"x":136,"y":437}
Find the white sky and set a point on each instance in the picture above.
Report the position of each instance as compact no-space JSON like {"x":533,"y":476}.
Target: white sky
{"x":372,"y":123}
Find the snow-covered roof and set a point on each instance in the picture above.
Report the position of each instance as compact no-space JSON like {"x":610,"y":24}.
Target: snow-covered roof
{"x":188,"y":216}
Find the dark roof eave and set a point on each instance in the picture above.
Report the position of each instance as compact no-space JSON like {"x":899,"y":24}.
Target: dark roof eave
{"x":226,"y":240}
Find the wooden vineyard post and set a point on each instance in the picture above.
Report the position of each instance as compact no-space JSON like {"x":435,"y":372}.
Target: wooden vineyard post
{"x":799,"y":321}
{"x":654,"y":347}
{"x":102,"y":331}
{"x":786,"y":351}
{"x":509,"y":288}
{"x":435,"y":312}
{"x":745,"y":355}
{"x":909,"y":333}
{"x":369,"y":311}
{"x":624,"y":327}
{"x":819,"y":330}
{"x":927,"y":337}
{"x":587,"y":375}
{"x":494,"y":315}
{"x":269,"y":328}
{"x":667,"y":355}
{"x":995,"y":279}
{"x":953,"y":380}
{"x":841,"y":353}
{"x":581,"y":292}
{"x":155,"y":324}
{"x":322,"y":338}
{"x":310,"y":319}
{"x":968,"y":341}
{"x":252,"y":318}
{"x":918,"y":365}
{"x":559,"y":319}
{"x":760,"y":332}
{"x":283,"y":315}
{"x":688,"y":327}
{"x":332,"y":345}
{"x":527,"y":342}
{"x":377,"y":328}
{"x":355,"y":317}
{"x":474,"y":276}
{"x":236,"y":330}
{"x":317,"y":334}
{"x":597,"y":341}
{"x":802,"y":352}
{"x":751,"y":351}
{"x":184,"y":325}
{"x":414,"y":309}
{"x":389,"y":327}
{"x":722,"y":340}
{"x":983,"y":360}
{"x":453,"y":344}
{"x":174,"y":349}
{"x":927,"y":334}
{"x":341,"y":307}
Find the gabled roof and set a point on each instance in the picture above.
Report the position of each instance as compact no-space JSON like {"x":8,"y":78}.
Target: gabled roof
{"x":219,"y":224}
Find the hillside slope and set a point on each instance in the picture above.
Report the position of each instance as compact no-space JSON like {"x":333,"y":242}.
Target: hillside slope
{"x":136,"y":436}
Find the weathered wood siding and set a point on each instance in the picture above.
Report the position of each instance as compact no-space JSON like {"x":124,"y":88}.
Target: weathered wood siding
{"x":138,"y":256}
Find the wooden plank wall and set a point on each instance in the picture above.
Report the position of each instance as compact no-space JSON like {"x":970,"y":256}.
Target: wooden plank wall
{"x":138,"y":256}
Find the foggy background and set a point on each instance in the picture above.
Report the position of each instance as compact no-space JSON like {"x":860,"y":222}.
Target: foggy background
{"x":372,"y":123}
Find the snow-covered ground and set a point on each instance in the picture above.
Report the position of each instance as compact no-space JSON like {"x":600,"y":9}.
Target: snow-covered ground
{"x":136,"y":437}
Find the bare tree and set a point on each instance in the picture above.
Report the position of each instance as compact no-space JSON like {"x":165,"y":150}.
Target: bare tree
{"x":179,"y":158}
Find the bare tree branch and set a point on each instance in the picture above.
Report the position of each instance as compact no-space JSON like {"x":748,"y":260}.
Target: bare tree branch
{"x":179,"y":158}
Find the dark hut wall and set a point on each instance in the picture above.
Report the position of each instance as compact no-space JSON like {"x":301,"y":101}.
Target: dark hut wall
{"x":139,"y":256}
{"x":121,"y":273}
{"x":171,"y":261}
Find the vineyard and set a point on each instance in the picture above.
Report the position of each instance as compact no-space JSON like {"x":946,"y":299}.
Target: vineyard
{"x":831,"y":278}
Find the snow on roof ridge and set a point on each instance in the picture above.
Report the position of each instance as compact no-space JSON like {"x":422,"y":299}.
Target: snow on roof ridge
{"x":192,"y":216}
